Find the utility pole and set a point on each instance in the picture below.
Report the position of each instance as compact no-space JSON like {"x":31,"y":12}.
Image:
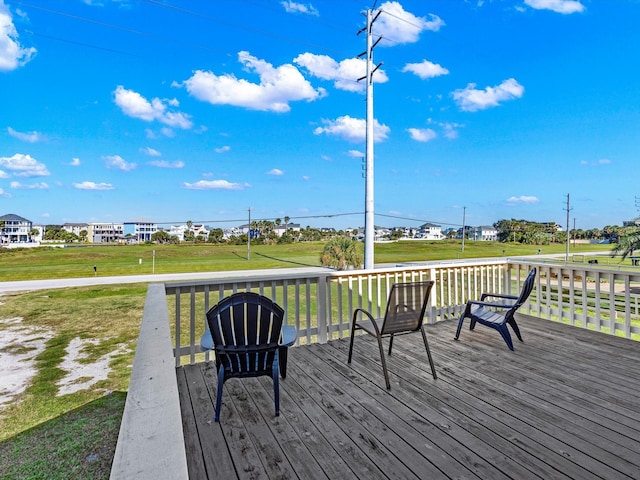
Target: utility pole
{"x":566,"y":256}
{"x":369,"y":226}
{"x":464,"y":215}
{"x":249,"y":237}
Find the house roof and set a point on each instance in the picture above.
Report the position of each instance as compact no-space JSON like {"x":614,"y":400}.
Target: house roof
{"x":12,"y":217}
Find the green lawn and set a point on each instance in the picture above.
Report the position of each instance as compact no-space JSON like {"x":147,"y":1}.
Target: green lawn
{"x":78,"y":261}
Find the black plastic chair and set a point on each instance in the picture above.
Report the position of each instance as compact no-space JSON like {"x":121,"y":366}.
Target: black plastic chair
{"x":499,"y":313}
{"x":246,"y":329}
{"x":405,"y":311}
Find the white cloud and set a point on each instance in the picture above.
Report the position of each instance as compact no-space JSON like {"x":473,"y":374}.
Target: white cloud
{"x":31,"y":137}
{"x":422,"y":134}
{"x":22,"y":165}
{"x":559,"y":6}
{"x":4,"y":194}
{"x":33,"y":186}
{"x":116,"y":161}
{"x":352,"y":129}
{"x":224,"y":149}
{"x":275,"y":171}
{"x":93,"y":186}
{"x":425,"y":69}
{"x":151,"y":152}
{"x":277,"y":87}
{"x":344,"y":73}
{"x":12,"y":54}
{"x":135,"y":105}
{"x":294,"y":7}
{"x":355,"y":153}
{"x":215,"y":185}
{"x":75,"y":162}
{"x":602,"y":161}
{"x":400,"y":26}
{"x":451,"y":129}
{"x":528,"y":199}
{"x":470,"y":99}
{"x":165,"y":164}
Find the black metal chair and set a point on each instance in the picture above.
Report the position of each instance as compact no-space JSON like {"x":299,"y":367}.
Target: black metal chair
{"x":246,"y":331}
{"x":499,"y":313}
{"x":405,"y":311}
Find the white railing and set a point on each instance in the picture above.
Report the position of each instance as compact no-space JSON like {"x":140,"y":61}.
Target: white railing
{"x":319,"y":304}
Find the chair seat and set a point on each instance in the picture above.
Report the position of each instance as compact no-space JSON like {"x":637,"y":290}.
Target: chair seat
{"x":485,"y":315}
{"x":367,"y":325}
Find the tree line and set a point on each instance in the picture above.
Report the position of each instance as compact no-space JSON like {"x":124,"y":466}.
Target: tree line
{"x":537,"y":233}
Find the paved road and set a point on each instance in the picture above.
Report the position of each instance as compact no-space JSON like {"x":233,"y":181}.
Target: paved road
{"x":28,"y":285}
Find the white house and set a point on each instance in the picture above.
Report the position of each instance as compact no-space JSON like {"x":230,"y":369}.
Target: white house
{"x":15,"y":229}
{"x":76,"y":228}
{"x":430,"y":231}
{"x":105,"y":232}
{"x":140,"y":231}
{"x":483,"y":233}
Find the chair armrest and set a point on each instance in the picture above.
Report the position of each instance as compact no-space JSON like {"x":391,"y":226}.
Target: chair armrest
{"x":372,"y":320}
{"x":289,"y":336}
{"x":206,"y":341}
{"x":498,"y":295}
{"x":355,"y":314}
{"x":489,"y":304}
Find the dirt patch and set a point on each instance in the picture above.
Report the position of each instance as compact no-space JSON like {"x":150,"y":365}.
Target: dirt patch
{"x":19,"y":347}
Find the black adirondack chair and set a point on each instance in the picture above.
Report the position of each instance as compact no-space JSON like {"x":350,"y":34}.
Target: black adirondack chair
{"x":405,"y":311}
{"x":246,"y":332}
{"x":499,"y":312}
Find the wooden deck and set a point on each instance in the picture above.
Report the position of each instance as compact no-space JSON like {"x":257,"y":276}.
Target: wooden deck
{"x":564,"y":405}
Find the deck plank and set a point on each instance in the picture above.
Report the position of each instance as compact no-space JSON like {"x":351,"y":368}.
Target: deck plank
{"x":563,"y":405}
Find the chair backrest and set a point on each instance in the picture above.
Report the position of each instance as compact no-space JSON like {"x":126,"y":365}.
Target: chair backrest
{"x":527,"y":287}
{"x":406,"y":306}
{"x":245,"y":328}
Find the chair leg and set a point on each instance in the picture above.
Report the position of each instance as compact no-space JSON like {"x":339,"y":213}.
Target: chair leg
{"x":460,"y":322}
{"x":275,"y":375}
{"x":515,"y":328}
{"x":384,"y":363}
{"x":282,"y":353}
{"x":219,"y":394}
{"x":390,"y":343}
{"x":505,"y":335}
{"x":426,"y":344}
{"x":353,"y":331}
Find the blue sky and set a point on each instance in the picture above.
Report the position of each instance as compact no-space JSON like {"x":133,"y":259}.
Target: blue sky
{"x":168,"y":111}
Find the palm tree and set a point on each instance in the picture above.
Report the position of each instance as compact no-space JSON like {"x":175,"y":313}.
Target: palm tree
{"x":341,"y":253}
{"x":627,"y":244}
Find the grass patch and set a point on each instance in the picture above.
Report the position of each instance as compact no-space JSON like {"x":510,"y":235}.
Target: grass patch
{"x":78,"y":444}
{"x":75,"y":262}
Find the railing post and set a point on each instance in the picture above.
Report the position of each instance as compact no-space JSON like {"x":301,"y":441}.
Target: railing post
{"x":322,"y":302}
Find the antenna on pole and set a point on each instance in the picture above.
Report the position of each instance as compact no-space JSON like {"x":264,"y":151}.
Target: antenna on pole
{"x":249,"y":237}
{"x":566,"y":256}
{"x":369,"y":226}
{"x":464,"y":215}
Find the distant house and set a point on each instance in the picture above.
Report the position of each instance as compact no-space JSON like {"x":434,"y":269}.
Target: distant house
{"x":76,"y":228}
{"x":287,"y":227}
{"x":105,"y":232}
{"x":430,"y":231}
{"x":15,"y":229}
{"x":483,"y":233}
{"x":139,"y":231}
